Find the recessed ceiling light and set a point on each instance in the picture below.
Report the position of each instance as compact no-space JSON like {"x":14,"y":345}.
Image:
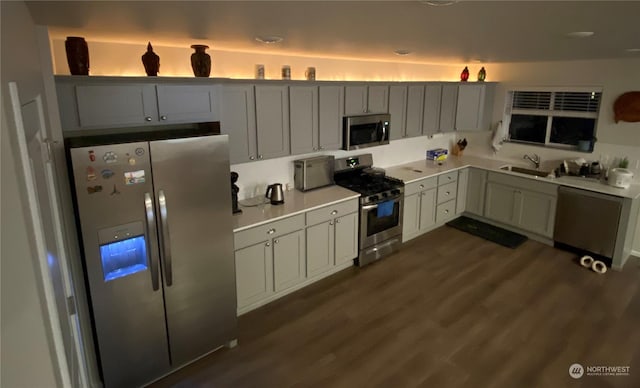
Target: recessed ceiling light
{"x":269,"y":39}
{"x":580,"y":34}
{"x":633,"y":50}
{"x":402,"y":53}
{"x":439,"y":3}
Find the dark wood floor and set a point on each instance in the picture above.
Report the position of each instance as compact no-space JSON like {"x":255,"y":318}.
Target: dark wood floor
{"x":449,"y":310}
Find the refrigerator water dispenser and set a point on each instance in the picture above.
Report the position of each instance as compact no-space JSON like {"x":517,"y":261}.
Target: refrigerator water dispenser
{"x":123,"y":250}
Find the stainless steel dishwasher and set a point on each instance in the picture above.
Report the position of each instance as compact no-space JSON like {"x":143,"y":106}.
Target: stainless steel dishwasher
{"x":587,"y":220}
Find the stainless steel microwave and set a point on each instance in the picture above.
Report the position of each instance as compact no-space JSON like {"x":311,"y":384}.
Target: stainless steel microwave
{"x":365,"y":131}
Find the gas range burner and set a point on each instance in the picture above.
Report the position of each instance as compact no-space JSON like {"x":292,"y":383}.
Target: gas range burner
{"x":369,"y":185}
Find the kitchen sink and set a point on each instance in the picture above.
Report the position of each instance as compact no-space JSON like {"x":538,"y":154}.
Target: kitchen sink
{"x":523,"y":170}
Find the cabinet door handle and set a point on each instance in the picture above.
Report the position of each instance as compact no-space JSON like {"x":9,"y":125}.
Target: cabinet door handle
{"x":276,"y":241}
{"x":421,"y":187}
{"x":163,"y":117}
{"x":252,"y":158}
{"x":446,"y":211}
{"x":337,"y":221}
{"x":315,"y":149}
{"x":259,"y":156}
{"x":330,"y":222}
{"x":449,"y":178}
{"x":447,"y":193}
{"x":271,"y":231}
{"x":268,"y":244}
{"x":333,"y":213}
{"x":148,"y":118}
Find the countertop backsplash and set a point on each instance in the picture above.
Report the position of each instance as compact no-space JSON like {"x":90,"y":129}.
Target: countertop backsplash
{"x":255,"y":176}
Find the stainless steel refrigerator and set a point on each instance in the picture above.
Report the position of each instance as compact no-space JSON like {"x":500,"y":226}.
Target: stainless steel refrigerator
{"x":155,"y":224}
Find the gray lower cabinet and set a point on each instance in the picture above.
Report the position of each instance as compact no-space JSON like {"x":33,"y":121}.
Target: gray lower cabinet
{"x":278,"y":257}
{"x":420,"y":204}
{"x":519,"y":202}
{"x":331,"y":243}
{"x":463,"y":189}
{"x":475,"y":193}
{"x":254,"y":273}
{"x":289,"y":260}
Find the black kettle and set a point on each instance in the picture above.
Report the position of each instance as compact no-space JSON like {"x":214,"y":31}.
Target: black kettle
{"x":275,"y":193}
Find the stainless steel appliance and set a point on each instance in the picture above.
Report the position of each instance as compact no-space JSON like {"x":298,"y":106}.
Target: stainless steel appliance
{"x":587,"y":220}
{"x":154,"y":214}
{"x":381,"y":206}
{"x":312,"y":173}
{"x":275,"y":194}
{"x":365,"y":131}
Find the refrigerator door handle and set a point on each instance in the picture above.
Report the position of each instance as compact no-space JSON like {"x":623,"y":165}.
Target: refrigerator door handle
{"x":151,"y":236}
{"x":164,"y":232}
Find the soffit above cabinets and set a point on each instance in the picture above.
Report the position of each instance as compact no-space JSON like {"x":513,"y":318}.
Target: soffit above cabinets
{"x":484,"y":31}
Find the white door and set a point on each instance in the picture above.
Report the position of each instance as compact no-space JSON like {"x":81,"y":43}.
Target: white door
{"x":48,"y":230}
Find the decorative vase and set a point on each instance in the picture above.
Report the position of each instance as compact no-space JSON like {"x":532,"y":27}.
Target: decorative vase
{"x":482,"y":74}
{"x":151,"y":61}
{"x":200,"y":61}
{"x":464,"y":76}
{"x":77,"y":55}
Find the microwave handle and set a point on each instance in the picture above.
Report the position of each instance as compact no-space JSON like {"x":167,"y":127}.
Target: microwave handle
{"x":384,"y":132}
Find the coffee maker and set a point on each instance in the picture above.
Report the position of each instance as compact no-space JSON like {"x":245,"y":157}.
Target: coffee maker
{"x":234,"y":193}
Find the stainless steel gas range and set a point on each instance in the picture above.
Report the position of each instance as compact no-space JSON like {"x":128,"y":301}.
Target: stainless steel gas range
{"x":381,"y":205}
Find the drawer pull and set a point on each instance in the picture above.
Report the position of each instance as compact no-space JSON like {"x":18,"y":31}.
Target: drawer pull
{"x":337,"y":221}
{"x":333,"y":213}
{"x":448,"y":192}
{"x":271,"y":231}
{"x":449,"y":178}
{"x":446,"y":211}
{"x":421,"y":186}
{"x":331,"y":223}
{"x":268,"y":244}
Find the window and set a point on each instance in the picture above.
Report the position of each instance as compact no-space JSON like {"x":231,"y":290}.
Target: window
{"x":554,"y":117}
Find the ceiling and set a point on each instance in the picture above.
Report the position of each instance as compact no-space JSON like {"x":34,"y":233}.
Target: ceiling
{"x":483,"y":31}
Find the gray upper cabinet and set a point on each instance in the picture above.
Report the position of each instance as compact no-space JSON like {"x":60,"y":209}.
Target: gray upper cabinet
{"x":432,"y":99}
{"x":238,"y":120}
{"x":187,"y":103}
{"x":475,"y":102}
{"x":415,"y":109}
{"x":448,"y":107}
{"x":331,"y":111}
{"x":114,"y":104}
{"x":104,"y":106}
{"x":272,"y":121}
{"x":398,"y":111}
{"x":363,"y":99}
{"x":303,"y":108}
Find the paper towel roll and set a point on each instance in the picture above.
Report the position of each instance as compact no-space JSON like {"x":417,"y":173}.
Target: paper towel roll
{"x":599,"y":267}
{"x":586,"y":261}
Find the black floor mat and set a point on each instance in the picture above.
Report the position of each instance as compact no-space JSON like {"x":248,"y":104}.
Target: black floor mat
{"x":488,"y":232}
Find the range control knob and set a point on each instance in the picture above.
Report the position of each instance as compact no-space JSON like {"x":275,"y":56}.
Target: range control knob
{"x":385,"y":194}
{"x":395,"y":192}
{"x":373,"y":198}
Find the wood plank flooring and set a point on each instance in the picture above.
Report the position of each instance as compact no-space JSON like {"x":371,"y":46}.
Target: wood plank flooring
{"x":449,"y":310}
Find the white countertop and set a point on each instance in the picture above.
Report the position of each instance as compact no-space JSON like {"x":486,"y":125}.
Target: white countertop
{"x":295,"y":202}
{"x":414,"y":171}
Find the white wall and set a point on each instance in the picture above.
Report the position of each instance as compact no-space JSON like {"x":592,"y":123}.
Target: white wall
{"x":27,"y":356}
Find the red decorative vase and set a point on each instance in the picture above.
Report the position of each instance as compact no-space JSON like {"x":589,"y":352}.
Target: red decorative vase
{"x":464,"y":76}
{"x":77,"y":55}
{"x":200,"y":61}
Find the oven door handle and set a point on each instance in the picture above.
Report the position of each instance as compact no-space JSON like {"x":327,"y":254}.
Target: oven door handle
{"x":369,"y":207}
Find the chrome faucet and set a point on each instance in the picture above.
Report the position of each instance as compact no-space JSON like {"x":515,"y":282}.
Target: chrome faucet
{"x":535,"y":159}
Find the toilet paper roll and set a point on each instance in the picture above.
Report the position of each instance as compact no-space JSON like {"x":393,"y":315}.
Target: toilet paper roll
{"x":586,"y":261}
{"x":599,"y":267}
